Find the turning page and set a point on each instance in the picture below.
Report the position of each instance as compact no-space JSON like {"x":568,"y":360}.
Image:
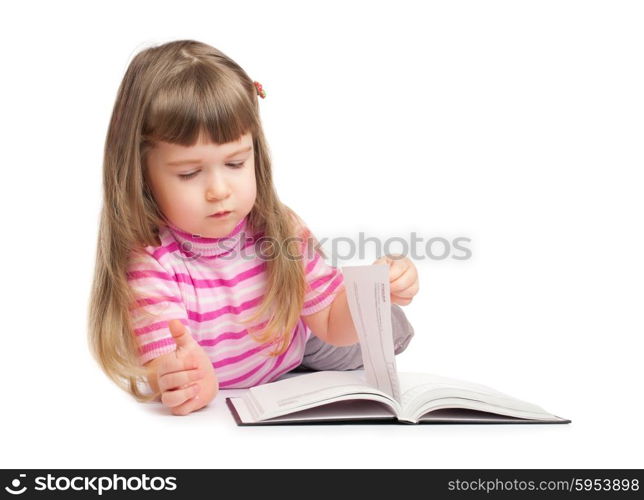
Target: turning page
{"x":370,"y":305}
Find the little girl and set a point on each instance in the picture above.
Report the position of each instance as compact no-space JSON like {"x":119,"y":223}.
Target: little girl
{"x":204,"y":279}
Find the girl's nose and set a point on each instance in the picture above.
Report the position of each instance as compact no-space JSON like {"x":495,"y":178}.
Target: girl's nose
{"x":217,"y":190}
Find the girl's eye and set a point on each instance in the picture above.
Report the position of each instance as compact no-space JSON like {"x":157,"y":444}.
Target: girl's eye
{"x":188,"y":176}
{"x":191,"y":175}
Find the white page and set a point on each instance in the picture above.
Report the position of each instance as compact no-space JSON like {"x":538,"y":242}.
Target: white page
{"x":304,"y":391}
{"x":370,"y":305}
{"x":412,"y":384}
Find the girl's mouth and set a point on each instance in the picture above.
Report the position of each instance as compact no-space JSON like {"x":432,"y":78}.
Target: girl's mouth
{"x":220,"y":214}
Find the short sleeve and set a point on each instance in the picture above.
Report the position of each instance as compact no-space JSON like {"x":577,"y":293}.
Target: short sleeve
{"x":323,"y":281}
{"x":158,"y":300}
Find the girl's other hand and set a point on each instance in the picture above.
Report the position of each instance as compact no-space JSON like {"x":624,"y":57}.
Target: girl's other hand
{"x":187,"y":380}
{"x":403,"y":278}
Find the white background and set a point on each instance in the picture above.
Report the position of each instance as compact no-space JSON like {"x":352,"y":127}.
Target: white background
{"x":515,"y":124}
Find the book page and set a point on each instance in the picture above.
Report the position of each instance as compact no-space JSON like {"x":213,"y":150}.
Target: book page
{"x":370,"y":304}
{"x":310,"y":390}
{"x":424,"y":392}
{"x":415,"y":384}
{"x":343,"y":410}
{"x":466,"y":415}
{"x":477,"y":405}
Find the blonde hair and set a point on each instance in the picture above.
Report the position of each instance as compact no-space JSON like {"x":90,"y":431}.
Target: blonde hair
{"x":176,"y":92}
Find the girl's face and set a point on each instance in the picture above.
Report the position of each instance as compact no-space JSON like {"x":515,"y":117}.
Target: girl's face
{"x":191,"y":183}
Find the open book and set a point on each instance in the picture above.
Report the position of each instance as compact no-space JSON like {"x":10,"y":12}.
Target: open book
{"x":378,"y":393}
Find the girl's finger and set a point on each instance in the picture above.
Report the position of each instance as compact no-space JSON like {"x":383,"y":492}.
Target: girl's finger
{"x":173,"y":365}
{"x":187,"y":407}
{"x":401,"y":301}
{"x":397,"y":267}
{"x":395,"y":264}
{"x":177,"y":397}
{"x":175,"y":380}
{"x":406,"y":292}
{"x":405,"y":281}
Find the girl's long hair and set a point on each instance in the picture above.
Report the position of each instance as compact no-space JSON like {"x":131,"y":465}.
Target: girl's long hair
{"x":176,"y":92}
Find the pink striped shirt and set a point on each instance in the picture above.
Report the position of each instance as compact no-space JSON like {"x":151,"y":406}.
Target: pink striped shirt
{"x":210,"y":284}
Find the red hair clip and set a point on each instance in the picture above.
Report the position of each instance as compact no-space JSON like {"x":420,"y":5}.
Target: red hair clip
{"x":260,"y":90}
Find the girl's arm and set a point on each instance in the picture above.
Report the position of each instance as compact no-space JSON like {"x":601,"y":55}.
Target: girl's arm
{"x":333,"y":324}
{"x":340,"y":328}
{"x":403,"y":282}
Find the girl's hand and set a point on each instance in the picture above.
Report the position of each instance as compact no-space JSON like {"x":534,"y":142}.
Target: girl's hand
{"x":403,"y":278}
{"x":187,"y":380}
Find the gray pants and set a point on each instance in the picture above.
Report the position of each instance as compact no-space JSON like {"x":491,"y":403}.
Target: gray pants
{"x":319,"y":355}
